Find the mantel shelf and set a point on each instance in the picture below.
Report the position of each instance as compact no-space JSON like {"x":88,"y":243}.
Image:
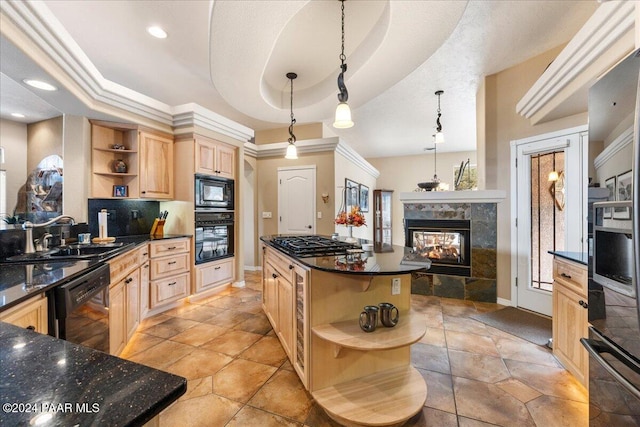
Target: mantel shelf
{"x":348,"y":334}
{"x":385,"y":398}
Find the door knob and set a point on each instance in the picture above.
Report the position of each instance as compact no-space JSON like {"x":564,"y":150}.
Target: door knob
{"x":308,"y":226}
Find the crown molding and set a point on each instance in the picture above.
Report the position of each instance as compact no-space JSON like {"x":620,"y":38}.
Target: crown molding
{"x":600,"y":43}
{"x":333,"y":144}
{"x":612,"y":149}
{"x":466,"y":196}
{"x":40,"y":27}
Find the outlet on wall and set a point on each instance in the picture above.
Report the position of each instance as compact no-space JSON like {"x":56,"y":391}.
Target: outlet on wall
{"x":395,"y":286}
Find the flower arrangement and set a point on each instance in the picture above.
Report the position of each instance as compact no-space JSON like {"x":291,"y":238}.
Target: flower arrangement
{"x":354,"y":218}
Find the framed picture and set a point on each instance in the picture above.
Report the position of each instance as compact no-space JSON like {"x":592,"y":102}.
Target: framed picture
{"x":610,"y":184}
{"x":351,"y":194}
{"x":623,"y":186}
{"x":364,"y":198}
{"x":120,"y":191}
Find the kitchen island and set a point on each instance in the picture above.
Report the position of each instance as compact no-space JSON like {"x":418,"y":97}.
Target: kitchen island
{"x":314,"y":303}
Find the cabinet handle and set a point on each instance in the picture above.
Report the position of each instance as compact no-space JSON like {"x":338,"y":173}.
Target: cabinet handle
{"x":274,"y":275}
{"x":31,"y":328}
{"x":290,"y":266}
{"x":565,"y":275}
{"x":143,"y":192}
{"x":170,"y":248}
{"x":145,"y":266}
{"x":145,"y":254}
{"x":217,"y":268}
{"x":584,"y":304}
{"x":172,"y":262}
{"x":129,"y":280}
{"x":171,"y":284}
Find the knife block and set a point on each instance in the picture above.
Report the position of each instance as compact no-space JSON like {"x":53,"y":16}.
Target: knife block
{"x":157,"y":229}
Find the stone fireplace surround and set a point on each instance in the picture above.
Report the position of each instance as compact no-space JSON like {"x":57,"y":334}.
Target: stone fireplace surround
{"x":478,"y":207}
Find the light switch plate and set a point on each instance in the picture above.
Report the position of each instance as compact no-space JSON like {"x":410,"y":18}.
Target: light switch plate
{"x":395,"y":286}
{"x":319,"y":215}
{"x":266,"y":215}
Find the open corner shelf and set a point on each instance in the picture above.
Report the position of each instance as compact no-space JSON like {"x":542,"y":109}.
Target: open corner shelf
{"x":348,"y":334}
{"x":386,"y":398}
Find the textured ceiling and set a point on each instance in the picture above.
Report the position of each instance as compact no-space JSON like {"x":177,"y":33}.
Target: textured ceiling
{"x":232,"y":56}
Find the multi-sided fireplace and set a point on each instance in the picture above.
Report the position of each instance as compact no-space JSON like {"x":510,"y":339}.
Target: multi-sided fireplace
{"x":445,"y":242}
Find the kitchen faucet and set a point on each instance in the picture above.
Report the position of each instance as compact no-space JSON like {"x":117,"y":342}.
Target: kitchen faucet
{"x":28,"y":227}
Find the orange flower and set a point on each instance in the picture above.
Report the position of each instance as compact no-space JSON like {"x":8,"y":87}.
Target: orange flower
{"x":354,"y":217}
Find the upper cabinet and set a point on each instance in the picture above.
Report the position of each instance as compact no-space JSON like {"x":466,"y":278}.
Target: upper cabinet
{"x":156,"y":166}
{"x":214,"y":158}
{"x":128,"y":162}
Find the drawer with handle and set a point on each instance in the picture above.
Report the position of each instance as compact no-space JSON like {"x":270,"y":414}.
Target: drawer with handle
{"x":168,"y":266}
{"x":167,"y":247}
{"x":167,"y":290}
{"x":571,"y":275}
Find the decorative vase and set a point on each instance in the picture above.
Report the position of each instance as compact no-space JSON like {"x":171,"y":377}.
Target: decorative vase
{"x":120,"y":166}
{"x":350,"y":238}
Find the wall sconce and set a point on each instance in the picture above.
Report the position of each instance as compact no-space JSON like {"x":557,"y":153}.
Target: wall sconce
{"x":325,"y":198}
{"x":553,"y":176}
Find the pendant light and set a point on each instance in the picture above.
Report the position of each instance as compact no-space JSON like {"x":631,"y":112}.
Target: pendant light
{"x":343,"y":112}
{"x":292,"y":152}
{"x":439,"y":137}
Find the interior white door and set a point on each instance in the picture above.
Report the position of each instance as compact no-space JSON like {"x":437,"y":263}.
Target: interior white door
{"x":527,"y":295}
{"x":297,"y":200}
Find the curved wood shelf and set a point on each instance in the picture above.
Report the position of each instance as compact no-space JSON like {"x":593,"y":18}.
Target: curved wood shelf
{"x":115,"y":174}
{"x":113,"y":150}
{"x":382,"y":399}
{"x":348,"y":334}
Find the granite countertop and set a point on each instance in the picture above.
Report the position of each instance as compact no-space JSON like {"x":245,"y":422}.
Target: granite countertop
{"x":21,"y":281}
{"x":76,"y":385}
{"x":579,"y":257}
{"x":393,"y":260}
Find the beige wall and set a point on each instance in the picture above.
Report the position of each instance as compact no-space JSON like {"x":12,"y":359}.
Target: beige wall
{"x":44,"y":139}
{"x":77,"y":166}
{"x":502,"y":125}
{"x":267,"y":181}
{"x":403,"y":173}
{"x":345,"y":168}
{"x":13,"y":138}
{"x":308,"y":131}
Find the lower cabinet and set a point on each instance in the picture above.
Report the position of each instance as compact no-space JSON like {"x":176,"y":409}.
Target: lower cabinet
{"x":31,"y":314}
{"x":117,"y":318}
{"x":168,"y":290}
{"x":144,"y":290}
{"x":570,"y":318}
{"x":213,"y":274}
{"x":285,"y":315}
{"x":132,"y":295}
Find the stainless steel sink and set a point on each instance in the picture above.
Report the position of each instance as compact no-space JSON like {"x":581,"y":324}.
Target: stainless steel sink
{"x":71,"y":252}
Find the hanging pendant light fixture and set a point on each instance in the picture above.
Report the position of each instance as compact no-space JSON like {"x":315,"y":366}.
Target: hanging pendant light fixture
{"x":439,"y":137}
{"x":292,"y":151}
{"x":343,"y":112}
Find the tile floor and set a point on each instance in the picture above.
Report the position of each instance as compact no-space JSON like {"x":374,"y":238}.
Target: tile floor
{"x":238,"y":374}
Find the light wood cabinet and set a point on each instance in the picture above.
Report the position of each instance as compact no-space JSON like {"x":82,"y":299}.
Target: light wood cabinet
{"x":132,"y":298}
{"x":31,"y":314}
{"x":270,"y":294}
{"x":156,"y":166}
{"x":169,"y":275}
{"x":148,"y":157}
{"x":117,"y":318}
{"x":213,"y":274}
{"x":214,"y":158}
{"x":382,"y":217}
{"x":285,"y":314}
{"x":570,"y":317}
{"x":279,"y":299}
{"x":144,"y":290}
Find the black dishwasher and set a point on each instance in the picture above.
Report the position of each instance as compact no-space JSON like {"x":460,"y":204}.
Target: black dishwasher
{"x":82,"y":309}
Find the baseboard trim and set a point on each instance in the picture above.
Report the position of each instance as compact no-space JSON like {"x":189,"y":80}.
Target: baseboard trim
{"x":503,"y":301}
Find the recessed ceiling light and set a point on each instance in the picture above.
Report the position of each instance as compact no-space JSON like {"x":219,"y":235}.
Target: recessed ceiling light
{"x":40,"y":85}
{"x":157,"y":32}
{"x":18,"y":115}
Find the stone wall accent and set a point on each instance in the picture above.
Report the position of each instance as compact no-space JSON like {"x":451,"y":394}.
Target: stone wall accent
{"x":482,"y":285}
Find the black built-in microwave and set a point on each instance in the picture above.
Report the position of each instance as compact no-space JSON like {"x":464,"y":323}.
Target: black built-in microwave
{"x":213,"y":192}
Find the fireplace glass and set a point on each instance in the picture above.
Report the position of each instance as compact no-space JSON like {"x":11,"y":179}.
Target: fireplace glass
{"x":439,"y":246}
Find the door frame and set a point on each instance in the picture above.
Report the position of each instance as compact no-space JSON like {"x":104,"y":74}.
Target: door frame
{"x":581,"y":195}
{"x":313,"y":168}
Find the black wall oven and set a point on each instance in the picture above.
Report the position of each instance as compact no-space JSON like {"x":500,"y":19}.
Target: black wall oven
{"x":214,"y":236}
{"x":213,"y":193}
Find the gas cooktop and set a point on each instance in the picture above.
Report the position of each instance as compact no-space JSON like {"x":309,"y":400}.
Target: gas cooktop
{"x":311,"y":246}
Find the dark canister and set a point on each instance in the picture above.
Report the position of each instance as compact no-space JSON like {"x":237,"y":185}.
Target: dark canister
{"x":369,"y":318}
{"x":389,"y":314}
